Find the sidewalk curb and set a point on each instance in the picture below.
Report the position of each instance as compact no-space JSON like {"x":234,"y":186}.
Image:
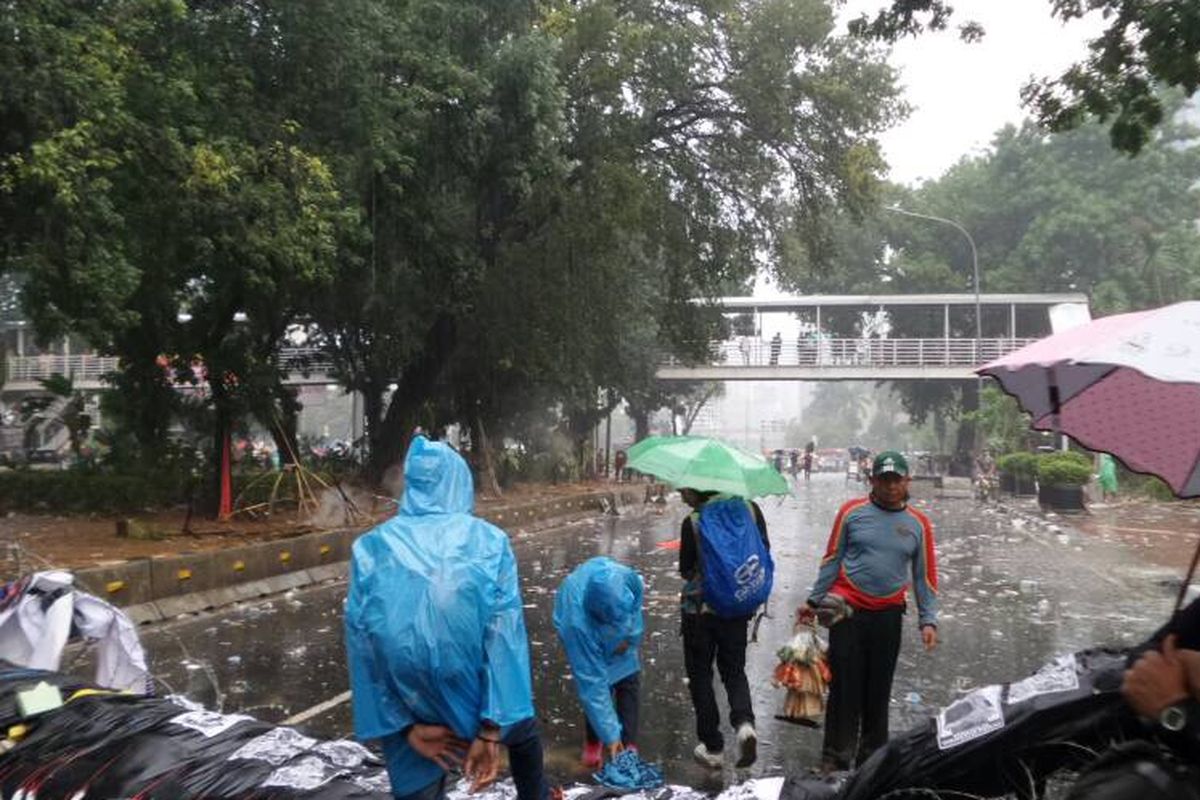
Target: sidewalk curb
{"x":160,"y":588}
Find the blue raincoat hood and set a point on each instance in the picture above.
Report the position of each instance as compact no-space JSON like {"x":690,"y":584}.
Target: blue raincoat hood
{"x":436,"y":480}
{"x":598,"y":607}
{"x":435,"y":630}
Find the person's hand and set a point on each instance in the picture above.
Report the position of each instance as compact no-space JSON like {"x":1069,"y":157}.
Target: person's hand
{"x":1191,"y":665}
{"x":621,"y":647}
{"x":437,"y":743}
{"x":929,"y":636}
{"x":615,"y":749}
{"x":805,"y":615}
{"x":483,"y":763}
{"x":1157,"y":680}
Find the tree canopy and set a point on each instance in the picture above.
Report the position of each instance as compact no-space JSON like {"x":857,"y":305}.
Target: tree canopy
{"x":482,"y":212}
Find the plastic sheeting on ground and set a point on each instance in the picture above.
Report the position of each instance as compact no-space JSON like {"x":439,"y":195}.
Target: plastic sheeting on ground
{"x":41,"y":612}
{"x":999,"y":739}
{"x":106,"y":745}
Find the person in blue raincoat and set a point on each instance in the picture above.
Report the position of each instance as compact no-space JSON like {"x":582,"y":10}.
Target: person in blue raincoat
{"x":598,"y":616}
{"x":435,"y":638}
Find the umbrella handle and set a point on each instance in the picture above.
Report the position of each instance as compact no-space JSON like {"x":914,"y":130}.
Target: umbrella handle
{"x":1187,"y":581}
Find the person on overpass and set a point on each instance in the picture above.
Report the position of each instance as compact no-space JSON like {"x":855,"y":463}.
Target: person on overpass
{"x":877,"y":543}
{"x":435,"y":638}
{"x":598,"y":616}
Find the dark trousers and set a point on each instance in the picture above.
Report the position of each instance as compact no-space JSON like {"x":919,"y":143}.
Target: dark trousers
{"x":524,"y":759}
{"x":862,"y":657}
{"x":707,"y":637}
{"x":625,"y":697}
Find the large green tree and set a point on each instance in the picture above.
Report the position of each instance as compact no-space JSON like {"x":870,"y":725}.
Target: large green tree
{"x":151,"y":207}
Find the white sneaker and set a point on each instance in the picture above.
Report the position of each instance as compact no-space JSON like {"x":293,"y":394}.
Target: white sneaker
{"x":747,"y":740}
{"x":710,"y":760}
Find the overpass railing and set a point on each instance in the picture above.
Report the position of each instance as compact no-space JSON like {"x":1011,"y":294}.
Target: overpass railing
{"x":90,"y":369}
{"x":830,"y":352}
{"x":80,"y":368}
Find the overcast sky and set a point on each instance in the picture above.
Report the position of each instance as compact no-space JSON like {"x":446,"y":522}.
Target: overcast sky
{"x":962,"y":93}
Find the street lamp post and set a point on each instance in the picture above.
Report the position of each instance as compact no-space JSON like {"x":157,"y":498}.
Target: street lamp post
{"x":975,"y":274}
{"x":974,"y":257}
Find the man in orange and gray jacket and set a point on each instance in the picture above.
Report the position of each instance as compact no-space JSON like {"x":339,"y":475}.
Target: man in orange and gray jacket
{"x":877,"y":544}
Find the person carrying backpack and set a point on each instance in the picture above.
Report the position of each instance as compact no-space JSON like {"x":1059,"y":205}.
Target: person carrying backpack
{"x":878,"y":548}
{"x":725,"y":561}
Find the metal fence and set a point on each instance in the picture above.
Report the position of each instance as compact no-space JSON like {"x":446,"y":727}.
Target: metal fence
{"x":85,"y":369}
{"x":828,"y":352}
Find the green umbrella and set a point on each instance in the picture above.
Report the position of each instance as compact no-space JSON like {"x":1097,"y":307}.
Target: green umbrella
{"x":707,"y":465}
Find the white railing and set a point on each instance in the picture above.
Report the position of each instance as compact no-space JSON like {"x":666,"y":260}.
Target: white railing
{"x":826,"y":352}
{"x":91,"y":369}
{"x":80,"y":368}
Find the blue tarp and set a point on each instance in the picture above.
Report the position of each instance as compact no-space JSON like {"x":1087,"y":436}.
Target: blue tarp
{"x":434,"y":626}
{"x":598,"y":607}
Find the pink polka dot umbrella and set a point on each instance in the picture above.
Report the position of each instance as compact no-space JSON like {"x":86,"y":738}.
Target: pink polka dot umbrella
{"x":1128,"y":385}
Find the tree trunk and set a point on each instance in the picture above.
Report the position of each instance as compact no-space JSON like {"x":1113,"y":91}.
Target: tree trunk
{"x":222,"y":422}
{"x":418,"y":384}
{"x":965,"y":446}
{"x":641,"y":423}
{"x":487,"y":463}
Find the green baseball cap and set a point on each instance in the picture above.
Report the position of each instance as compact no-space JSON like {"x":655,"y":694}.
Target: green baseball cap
{"x":889,"y":461}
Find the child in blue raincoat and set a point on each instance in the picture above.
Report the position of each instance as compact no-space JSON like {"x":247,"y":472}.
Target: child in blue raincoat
{"x":598,"y":615}
{"x":436,"y":641}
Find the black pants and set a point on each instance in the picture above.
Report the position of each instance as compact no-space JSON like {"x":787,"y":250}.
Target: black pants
{"x":625,"y":698}
{"x":862,"y":657}
{"x":705,"y":637}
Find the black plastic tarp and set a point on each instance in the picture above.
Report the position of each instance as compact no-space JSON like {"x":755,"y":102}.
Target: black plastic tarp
{"x":112,"y":745}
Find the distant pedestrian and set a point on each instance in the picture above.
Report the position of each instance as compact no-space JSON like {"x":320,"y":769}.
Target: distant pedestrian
{"x":619,"y":462}
{"x":598,"y":616}
{"x":879,"y":547}
{"x":708,"y":635}
{"x":1107,"y":477}
{"x":776,"y":348}
{"x":435,"y":638}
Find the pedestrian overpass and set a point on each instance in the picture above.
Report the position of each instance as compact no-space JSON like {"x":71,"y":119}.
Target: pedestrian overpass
{"x":808,"y":353}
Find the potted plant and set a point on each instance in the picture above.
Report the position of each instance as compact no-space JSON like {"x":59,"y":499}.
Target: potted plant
{"x":1061,"y":478}
{"x":1018,"y":473}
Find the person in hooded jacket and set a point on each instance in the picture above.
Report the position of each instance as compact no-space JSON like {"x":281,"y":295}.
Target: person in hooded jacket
{"x":435,"y":638}
{"x":598,"y":616}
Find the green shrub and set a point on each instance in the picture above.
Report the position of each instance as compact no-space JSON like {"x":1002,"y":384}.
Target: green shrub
{"x":1148,"y":486}
{"x":89,"y":491}
{"x":1064,"y":469}
{"x":1019,"y":465}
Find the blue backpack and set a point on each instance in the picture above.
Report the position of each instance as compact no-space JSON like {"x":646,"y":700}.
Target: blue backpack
{"x":737,"y":568}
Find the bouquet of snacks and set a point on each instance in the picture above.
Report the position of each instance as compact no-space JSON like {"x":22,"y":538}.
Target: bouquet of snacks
{"x":804,"y":671}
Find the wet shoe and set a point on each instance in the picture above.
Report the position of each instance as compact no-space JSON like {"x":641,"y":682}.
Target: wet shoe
{"x":592,"y":756}
{"x":711,"y":760}
{"x":747,"y":741}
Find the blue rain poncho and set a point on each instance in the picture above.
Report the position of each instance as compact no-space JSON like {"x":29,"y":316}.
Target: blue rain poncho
{"x":598,"y":607}
{"x":434,"y":627}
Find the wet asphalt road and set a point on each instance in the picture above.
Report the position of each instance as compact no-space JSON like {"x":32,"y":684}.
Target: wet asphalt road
{"x":1014,"y":594}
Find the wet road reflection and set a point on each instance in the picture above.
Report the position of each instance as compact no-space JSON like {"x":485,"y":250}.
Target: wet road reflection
{"x":1015,"y":592}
